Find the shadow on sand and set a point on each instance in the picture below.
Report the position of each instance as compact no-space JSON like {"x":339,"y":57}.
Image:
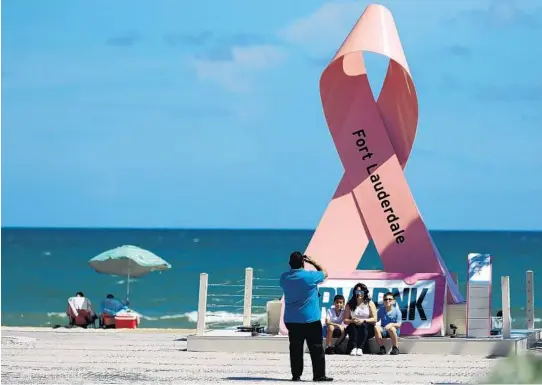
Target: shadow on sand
{"x":256,"y":379}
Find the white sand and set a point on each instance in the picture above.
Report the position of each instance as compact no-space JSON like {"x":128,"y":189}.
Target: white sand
{"x":75,"y":356}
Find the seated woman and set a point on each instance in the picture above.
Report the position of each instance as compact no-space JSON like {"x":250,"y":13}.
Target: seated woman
{"x":360,"y":316}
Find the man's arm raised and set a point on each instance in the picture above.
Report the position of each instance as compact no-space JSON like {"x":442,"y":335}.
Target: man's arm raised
{"x":316,"y":265}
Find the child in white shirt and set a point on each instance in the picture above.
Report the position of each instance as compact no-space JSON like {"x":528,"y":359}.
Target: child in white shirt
{"x":334,"y":323}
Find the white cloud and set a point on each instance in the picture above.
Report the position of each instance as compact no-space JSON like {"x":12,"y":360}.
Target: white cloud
{"x":322,"y":32}
{"x":324,"y":28}
{"x":234,"y":74}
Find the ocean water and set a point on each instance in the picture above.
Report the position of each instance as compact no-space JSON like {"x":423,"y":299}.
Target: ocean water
{"x":41,"y":268}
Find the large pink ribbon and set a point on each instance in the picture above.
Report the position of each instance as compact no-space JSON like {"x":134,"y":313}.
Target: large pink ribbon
{"x":373,"y":140}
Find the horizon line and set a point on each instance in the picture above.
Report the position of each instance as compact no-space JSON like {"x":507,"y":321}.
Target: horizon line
{"x":221,"y":228}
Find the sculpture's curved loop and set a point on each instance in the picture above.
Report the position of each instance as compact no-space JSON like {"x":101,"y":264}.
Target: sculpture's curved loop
{"x":375,"y":32}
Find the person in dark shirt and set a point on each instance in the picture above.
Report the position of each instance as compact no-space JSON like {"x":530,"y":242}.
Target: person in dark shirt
{"x":302,"y":315}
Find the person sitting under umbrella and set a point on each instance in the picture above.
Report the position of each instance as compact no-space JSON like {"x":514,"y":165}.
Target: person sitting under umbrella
{"x":111,"y":306}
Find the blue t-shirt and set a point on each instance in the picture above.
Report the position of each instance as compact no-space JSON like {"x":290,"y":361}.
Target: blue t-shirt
{"x":389,"y":317}
{"x":112,"y":306}
{"x":301,"y":302}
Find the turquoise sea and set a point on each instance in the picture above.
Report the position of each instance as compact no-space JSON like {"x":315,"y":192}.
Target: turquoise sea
{"x":41,"y":268}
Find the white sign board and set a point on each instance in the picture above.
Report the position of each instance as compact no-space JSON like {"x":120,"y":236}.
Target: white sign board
{"x":479,"y":295}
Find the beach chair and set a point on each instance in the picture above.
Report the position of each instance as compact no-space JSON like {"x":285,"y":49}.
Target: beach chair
{"x":107,"y":321}
{"x":80,"y":312}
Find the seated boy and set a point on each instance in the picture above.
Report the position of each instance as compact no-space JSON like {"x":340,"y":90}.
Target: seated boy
{"x":390,"y":318}
{"x":334,"y":323}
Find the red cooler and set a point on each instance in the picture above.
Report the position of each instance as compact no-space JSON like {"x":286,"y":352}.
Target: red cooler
{"x":126,"y":321}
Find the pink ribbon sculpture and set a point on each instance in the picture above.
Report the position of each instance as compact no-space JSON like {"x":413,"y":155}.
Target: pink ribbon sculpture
{"x":374,"y":140}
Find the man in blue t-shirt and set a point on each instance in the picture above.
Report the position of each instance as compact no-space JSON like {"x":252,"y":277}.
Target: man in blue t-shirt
{"x":390,"y":318}
{"x":302,"y":315}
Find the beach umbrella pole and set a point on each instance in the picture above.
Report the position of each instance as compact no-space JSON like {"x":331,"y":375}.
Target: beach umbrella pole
{"x":128,"y":288}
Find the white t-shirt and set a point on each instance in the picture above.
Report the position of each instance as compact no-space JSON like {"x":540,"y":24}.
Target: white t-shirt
{"x":333,"y":317}
{"x":362,"y":311}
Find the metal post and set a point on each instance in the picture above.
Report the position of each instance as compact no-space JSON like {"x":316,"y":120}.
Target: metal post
{"x":247,"y":311}
{"x":202,"y":303}
{"x":530,"y":299}
{"x":128,"y":289}
{"x":506,"y":317}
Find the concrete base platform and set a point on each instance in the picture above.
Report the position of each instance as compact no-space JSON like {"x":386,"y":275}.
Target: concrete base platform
{"x":240,"y":342}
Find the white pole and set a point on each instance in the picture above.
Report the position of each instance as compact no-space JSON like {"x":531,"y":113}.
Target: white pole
{"x":530,"y":299}
{"x":128,"y":289}
{"x":202,"y":303}
{"x":247,"y":311}
{"x":506,"y":317}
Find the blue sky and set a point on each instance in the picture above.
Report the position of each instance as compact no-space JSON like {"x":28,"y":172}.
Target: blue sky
{"x":207,"y":113}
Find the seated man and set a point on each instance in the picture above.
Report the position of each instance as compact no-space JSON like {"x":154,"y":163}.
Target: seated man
{"x":390,"y":318}
{"x":80,"y":311}
{"x":111,"y":305}
{"x":334,"y":323}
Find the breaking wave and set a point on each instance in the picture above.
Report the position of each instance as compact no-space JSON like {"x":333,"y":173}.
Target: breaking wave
{"x":212,"y":317}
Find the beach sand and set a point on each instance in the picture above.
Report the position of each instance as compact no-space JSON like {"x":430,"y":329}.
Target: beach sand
{"x":76,"y":356}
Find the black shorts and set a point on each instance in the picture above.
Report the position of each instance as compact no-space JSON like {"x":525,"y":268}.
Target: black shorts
{"x":336,"y":332}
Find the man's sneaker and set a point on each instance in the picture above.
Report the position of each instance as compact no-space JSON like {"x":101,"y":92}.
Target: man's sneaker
{"x":359,"y":352}
{"x":382,"y":350}
{"x":322,"y":379}
{"x":394,"y":351}
{"x":354,"y":352}
{"x":330,"y":350}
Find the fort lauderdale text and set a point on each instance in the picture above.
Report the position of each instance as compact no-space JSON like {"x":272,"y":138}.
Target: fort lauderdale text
{"x":383,"y":197}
